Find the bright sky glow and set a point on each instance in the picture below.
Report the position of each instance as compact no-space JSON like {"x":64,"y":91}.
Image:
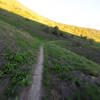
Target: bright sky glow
{"x":84,"y":13}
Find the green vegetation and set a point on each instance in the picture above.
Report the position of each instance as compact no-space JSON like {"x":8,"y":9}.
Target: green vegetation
{"x":71,"y":63}
{"x":65,"y":71}
{"x":19,"y":54}
{"x":87,"y":48}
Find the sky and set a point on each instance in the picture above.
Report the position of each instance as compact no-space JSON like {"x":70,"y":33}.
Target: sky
{"x":84,"y":13}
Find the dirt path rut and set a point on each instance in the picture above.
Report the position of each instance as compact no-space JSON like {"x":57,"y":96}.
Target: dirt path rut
{"x":34,"y":92}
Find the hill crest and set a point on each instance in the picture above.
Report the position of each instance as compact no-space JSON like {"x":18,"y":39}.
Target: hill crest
{"x":18,"y":8}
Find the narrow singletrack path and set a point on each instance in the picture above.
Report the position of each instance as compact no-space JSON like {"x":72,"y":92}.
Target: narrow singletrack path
{"x":34,"y":92}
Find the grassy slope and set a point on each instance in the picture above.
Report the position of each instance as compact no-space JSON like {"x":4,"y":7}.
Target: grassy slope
{"x":20,"y":39}
{"x":34,"y":28}
{"x":86,"y":48}
{"x":68,"y":76}
{"x":16,"y":7}
{"x":18,"y":51}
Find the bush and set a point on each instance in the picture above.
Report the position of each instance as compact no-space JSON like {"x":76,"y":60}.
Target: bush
{"x":83,"y":37}
{"x":55,"y":30}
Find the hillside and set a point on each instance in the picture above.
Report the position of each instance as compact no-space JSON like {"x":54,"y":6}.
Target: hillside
{"x":17,"y":51}
{"x":16,"y":7}
{"x":70,"y":63}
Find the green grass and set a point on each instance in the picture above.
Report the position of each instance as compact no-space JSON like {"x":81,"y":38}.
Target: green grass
{"x":20,"y":40}
{"x":63,"y":62}
{"x":17,"y":71}
{"x":81,"y":47}
{"x":20,"y":54}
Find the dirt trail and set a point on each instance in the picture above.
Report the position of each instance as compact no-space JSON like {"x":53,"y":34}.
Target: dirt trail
{"x":34,"y":92}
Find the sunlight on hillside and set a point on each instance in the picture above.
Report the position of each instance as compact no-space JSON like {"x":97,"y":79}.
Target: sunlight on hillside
{"x":15,"y":7}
